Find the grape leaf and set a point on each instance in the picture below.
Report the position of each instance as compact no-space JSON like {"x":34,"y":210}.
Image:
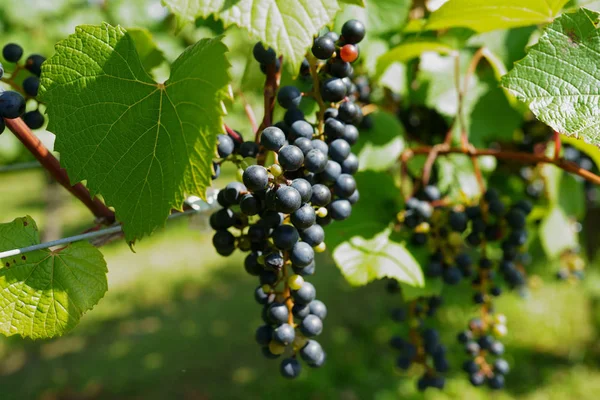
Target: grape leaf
{"x":142,"y":145}
{"x":489,"y":15}
{"x":360,"y":3}
{"x":508,"y":45}
{"x":564,"y":190}
{"x":44,"y":293}
{"x":364,"y":260}
{"x":492,"y":117}
{"x":408,"y":50}
{"x":557,"y":233}
{"x":379,"y":202}
{"x":286,"y":25}
{"x":456,"y":177}
{"x":560,"y":78}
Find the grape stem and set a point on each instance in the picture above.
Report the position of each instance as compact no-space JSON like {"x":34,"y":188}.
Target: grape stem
{"x":102,"y":213}
{"x":270,"y":93}
{"x":11,"y":81}
{"x":522,"y":157}
{"x":249,"y":112}
{"x":234,"y":135}
{"x":316,"y":91}
{"x":369,"y":108}
{"x":557,"y":145}
{"x":287,"y":295}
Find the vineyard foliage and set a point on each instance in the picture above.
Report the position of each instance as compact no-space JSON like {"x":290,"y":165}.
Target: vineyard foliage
{"x":136,"y":119}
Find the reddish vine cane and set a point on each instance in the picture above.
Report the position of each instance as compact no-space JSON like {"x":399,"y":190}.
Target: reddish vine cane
{"x":466,"y":148}
{"x":102,"y":213}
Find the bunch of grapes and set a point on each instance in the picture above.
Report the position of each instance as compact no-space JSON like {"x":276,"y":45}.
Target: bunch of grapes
{"x":277,"y":213}
{"x":423,"y":124}
{"x":484,"y":348}
{"x":423,"y":344}
{"x":455,"y":235}
{"x":12,"y":103}
{"x":461,"y":239}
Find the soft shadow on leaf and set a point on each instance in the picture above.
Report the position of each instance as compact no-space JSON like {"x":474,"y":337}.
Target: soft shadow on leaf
{"x":378,"y":148}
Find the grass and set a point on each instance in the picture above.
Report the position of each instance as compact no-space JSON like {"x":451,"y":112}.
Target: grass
{"x":178,"y":323}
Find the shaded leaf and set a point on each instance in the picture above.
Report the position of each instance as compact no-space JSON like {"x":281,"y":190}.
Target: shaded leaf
{"x":565,"y":191}
{"x":379,"y":147}
{"x":150,"y":55}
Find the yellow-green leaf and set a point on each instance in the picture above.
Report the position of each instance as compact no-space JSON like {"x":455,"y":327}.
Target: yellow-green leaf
{"x":44,"y":293}
{"x":364,"y":260}
{"x":489,"y":15}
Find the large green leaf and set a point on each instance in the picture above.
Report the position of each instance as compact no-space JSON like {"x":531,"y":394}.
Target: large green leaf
{"x":44,"y":293}
{"x":141,"y":144}
{"x":560,"y":78}
{"x":488,"y":15}
{"x":364,"y":260}
{"x":286,"y":25}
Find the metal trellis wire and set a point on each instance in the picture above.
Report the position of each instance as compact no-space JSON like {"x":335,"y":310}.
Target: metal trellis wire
{"x":195,"y":204}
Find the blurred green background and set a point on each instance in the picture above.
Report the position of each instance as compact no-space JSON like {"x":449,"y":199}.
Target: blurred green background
{"x":178,"y":320}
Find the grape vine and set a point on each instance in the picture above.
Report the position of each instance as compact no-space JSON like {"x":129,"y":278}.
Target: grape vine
{"x":393,"y":143}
